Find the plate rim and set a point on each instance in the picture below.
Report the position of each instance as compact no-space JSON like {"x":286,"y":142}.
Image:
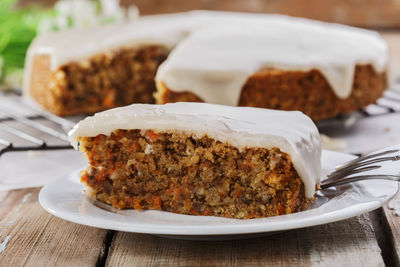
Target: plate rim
{"x":257,"y":225}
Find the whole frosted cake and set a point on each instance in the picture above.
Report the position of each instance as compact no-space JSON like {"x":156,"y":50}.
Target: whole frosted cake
{"x":277,"y":62}
{"x":267,"y":61}
{"x":201,"y":159}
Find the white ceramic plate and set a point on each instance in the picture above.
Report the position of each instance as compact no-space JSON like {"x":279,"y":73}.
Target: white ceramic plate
{"x":65,"y":198}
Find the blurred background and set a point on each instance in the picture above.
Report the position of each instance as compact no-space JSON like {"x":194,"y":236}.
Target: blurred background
{"x":377,"y":14}
{"x":22,"y":20}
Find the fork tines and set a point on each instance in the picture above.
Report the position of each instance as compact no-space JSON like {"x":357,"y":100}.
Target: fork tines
{"x":359,"y":165}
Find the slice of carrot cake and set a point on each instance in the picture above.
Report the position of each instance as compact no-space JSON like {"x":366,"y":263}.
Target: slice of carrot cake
{"x":201,"y":159}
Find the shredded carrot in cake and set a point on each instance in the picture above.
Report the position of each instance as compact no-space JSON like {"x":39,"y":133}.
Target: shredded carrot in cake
{"x":213,"y":179}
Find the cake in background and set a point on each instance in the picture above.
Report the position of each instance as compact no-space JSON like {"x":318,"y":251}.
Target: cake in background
{"x":268,"y":61}
{"x":277,"y":62}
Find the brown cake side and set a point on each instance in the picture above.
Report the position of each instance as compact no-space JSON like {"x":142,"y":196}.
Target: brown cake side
{"x":172,"y":171}
{"x":103,"y":81}
{"x":308,"y":92}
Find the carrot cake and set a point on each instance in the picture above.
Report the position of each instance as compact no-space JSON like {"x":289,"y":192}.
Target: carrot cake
{"x":201,"y":159}
{"x":257,"y":60}
{"x":80,"y":71}
{"x":279,"y":63}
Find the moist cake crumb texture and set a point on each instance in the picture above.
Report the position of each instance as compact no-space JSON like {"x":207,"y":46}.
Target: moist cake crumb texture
{"x":172,"y":171}
{"x":308,"y":92}
{"x":105,"y":80}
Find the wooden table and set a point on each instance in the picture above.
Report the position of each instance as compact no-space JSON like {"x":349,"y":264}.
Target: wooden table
{"x":30,"y":236}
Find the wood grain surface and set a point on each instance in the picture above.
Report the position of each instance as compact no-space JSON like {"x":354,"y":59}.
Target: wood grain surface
{"x":334,"y":244}
{"x":393,"y":226}
{"x":36,"y":238}
{"x":30,"y":236}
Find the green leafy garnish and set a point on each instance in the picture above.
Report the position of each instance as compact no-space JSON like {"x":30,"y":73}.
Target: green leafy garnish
{"x":18,"y":27}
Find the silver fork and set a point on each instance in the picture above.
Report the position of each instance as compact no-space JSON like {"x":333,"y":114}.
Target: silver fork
{"x":343,"y":174}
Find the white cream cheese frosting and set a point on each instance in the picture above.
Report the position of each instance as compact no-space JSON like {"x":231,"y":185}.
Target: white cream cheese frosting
{"x":291,"y":131}
{"x":168,"y":30}
{"x":215,"y":62}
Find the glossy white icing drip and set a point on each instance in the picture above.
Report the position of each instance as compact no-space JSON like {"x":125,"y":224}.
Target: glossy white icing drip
{"x":291,"y":131}
{"x":215,"y":62}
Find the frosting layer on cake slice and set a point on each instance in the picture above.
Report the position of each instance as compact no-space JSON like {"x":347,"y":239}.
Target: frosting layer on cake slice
{"x":292,"y":132}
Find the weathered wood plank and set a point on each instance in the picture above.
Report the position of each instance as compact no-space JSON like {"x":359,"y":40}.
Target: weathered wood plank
{"x":350,"y":242}
{"x":30,"y":236}
{"x":393,"y":219}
